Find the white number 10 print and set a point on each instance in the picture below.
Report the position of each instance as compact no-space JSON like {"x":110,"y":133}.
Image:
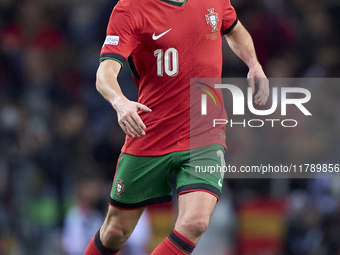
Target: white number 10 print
{"x":170,"y":61}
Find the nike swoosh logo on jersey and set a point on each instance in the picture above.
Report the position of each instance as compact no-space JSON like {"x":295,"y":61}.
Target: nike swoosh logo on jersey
{"x":156,"y":37}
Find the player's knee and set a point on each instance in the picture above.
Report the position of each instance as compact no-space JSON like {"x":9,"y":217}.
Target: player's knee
{"x":114,"y":236}
{"x":195,"y":225}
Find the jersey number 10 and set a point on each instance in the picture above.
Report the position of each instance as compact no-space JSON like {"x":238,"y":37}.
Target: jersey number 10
{"x":170,"y":61}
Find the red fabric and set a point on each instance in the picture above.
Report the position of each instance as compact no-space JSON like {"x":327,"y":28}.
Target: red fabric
{"x":92,"y":250}
{"x":166,"y":248}
{"x":183,"y":238}
{"x":193,"y":190}
{"x":198,"y":50}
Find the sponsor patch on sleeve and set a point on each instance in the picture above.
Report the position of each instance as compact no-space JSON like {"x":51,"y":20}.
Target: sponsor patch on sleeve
{"x":111,"y":40}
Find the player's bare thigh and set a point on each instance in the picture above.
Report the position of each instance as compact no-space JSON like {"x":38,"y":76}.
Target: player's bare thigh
{"x":194,"y":213}
{"x":118,"y":226}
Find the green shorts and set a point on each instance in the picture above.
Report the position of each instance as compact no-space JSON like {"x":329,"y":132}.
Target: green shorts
{"x":142,"y":181}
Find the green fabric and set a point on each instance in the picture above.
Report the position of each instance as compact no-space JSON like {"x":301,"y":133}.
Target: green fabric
{"x":102,"y":59}
{"x":179,"y":1}
{"x":141,"y":178}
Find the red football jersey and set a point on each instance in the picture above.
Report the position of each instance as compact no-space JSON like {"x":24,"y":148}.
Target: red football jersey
{"x":166,"y":44}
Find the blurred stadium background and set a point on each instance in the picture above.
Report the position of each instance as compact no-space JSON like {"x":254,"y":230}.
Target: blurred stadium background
{"x":59,"y":140}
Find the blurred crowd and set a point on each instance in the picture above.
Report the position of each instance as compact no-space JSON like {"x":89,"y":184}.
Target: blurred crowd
{"x":59,"y":139}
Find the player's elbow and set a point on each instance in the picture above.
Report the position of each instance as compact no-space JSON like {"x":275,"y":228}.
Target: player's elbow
{"x":102,"y":76}
{"x":107,"y":74}
{"x":99,"y":81}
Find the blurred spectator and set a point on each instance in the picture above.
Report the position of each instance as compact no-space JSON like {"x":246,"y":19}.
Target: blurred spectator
{"x":82,"y":219}
{"x":139,"y":241}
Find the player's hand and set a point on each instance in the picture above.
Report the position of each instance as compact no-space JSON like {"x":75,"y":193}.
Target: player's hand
{"x":129,"y":119}
{"x":257,"y":76}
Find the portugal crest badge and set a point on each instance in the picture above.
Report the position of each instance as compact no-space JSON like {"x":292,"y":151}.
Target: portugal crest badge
{"x":212,"y":19}
{"x":120,"y":187}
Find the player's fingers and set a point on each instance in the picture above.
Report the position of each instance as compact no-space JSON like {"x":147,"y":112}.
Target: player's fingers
{"x":139,"y":124}
{"x":259,"y":96}
{"x":133,"y":127}
{"x":128,"y":132}
{"x":144,"y":108}
{"x":262,"y":96}
{"x":251,"y":83}
{"x":125,"y":129}
{"x":127,"y":124}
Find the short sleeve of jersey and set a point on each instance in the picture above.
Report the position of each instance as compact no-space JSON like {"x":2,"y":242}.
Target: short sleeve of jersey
{"x":120,"y":34}
{"x":229,"y":18}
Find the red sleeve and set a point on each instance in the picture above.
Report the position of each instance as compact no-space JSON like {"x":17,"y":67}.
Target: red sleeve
{"x":120,"y":34}
{"x":229,"y":18}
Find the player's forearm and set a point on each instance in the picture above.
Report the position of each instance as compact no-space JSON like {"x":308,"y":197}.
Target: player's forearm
{"x":107,"y":84}
{"x":241,"y":43}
